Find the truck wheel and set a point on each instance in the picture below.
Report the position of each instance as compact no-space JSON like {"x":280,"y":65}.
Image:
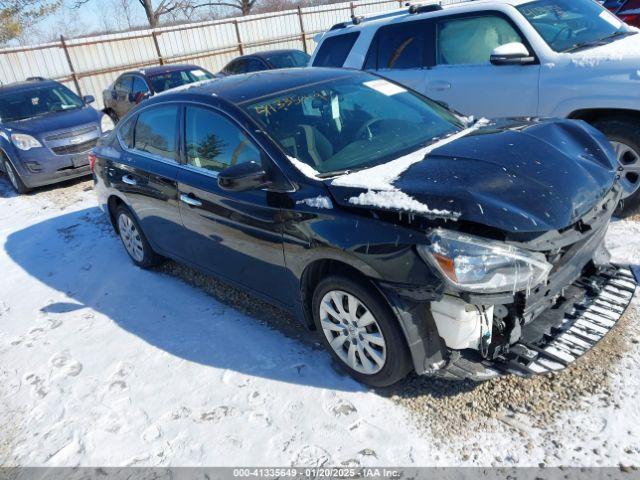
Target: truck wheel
{"x":134,"y":240}
{"x":624,"y":135}
{"x":15,"y":180}
{"x":360,"y":331}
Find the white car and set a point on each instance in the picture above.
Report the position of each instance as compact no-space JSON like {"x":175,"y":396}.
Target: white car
{"x":508,"y":58}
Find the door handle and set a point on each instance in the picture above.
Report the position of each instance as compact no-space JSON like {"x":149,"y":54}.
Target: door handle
{"x":439,"y":86}
{"x":190,"y":200}
{"x":129,"y":180}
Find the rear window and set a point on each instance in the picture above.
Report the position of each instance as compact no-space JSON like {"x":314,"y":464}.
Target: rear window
{"x":288,"y":59}
{"x":335,"y":50}
{"x":400,"y":46}
{"x":156,"y":132}
{"x":177,"y":78}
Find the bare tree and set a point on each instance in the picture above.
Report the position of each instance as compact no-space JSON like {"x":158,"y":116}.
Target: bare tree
{"x":18,"y":15}
{"x":245,"y":6}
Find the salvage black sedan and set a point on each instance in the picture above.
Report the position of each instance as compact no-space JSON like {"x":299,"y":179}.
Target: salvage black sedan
{"x":408,"y":237}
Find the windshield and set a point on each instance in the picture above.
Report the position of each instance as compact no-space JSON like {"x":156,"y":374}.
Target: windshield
{"x":37,"y":101}
{"x":177,"y":78}
{"x":351,"y":122}
{"x":569,"y":24}
{"x":288,"y":59}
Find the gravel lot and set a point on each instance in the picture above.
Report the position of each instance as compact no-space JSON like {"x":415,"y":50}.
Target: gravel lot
{"x":527,"y":421}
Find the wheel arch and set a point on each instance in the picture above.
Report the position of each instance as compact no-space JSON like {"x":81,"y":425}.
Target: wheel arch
{"x":113,"y":202}
{"x":314,"y":272}
{"x":591,"y":115}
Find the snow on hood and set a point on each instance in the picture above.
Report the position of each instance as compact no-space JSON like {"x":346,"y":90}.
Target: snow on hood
{"x":378,"y":180}
{"x":381,"y":177}
{"x":627,"y":48}
{"x":514,"y":175}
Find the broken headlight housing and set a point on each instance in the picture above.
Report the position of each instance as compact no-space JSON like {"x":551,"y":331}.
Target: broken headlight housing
{"x":485,"y":266}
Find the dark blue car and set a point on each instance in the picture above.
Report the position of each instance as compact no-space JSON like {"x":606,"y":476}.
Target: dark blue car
{"x":46,"y":132}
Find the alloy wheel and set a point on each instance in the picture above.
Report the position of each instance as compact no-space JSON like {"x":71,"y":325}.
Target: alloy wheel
{"x":353,"y":332}
{"x":11,"y":175}
{"x":131,"y":237}
{"x":629,"y":163}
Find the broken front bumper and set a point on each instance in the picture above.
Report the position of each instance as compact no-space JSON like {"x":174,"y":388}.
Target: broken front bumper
{"x":560,"y":335}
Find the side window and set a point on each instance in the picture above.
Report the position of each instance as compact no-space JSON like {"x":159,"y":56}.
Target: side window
{"x":240,"y":66}
{"x":126,"y":132}
{"x":254,"y":65}
{"x":123,"y":85}
{"x":401,"y":46}
{"x":155,"y":132}
{"x":140,"y":87}
{"x":471,"y":40}
{"x":335,"y":50}
{"x":231,"y":67}
{"x":214,"y":143}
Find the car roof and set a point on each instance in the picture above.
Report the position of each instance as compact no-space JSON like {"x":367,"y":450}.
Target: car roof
{"x":248,"y":87}
{"x":26,"y":85}
{"x":377,"y":19}
{"x":151,"y":71}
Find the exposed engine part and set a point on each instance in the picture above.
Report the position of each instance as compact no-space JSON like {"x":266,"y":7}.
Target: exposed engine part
{"x":590,"y":308}
{"x":500,"y":312}
{"x":463,"y":325}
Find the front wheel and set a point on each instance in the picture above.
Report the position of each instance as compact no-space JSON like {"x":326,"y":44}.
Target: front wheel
{"x":134,"y":240}
{"x":15,"y":180}
{"x":624,"y":135}
{"x":360,"y":331}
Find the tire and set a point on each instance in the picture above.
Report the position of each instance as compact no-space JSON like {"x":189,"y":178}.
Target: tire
{"x":14,"y":179}
{"x":624,"y":135}
{"x":134,"y":240}
{"x":380,"y":363}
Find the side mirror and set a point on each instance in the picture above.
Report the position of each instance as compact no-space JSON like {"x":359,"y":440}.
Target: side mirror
{"x":511,"y":54}
{"x":88,"y":99}
{"x":242,"y":177}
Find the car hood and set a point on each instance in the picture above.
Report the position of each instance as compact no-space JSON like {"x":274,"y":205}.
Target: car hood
{"x":622,"y":53}
{"x":52,"y":122}
{"x":515,"y":175}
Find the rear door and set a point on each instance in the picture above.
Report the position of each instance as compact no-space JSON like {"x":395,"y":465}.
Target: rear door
{"x":463,"y":76}
{"x":149,"y":179}
{"x":237,"y":235}
{"x":402,"y":52}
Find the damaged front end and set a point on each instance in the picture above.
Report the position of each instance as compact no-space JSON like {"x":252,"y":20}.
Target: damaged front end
{"x":566,"y":296}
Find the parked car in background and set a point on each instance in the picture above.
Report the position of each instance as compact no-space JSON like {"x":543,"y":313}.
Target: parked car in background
{"x":269,"y":60}
{"x":131,"y":88}
{"x":627,"y":10}
{"x":407,"y":237}
{"x":46,"y":131}
{"x":509,"y":58}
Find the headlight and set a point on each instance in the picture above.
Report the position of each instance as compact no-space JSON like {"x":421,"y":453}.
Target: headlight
{"x":106,"y":124}
{"x":478,"y":265}
{"x":24,"y":142}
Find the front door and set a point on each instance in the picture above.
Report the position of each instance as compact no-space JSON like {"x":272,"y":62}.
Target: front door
{"x":464,"y":78}
{"x":237,"y":235}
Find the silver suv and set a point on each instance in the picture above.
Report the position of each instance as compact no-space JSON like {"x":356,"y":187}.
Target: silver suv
{"x":508,"y":58}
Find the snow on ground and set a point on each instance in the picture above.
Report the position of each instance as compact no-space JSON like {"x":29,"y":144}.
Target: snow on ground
{"x":102,"y":363}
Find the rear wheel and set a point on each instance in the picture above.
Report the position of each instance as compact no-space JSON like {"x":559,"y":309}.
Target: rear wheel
{"x":134,"y":240}
{"x":15,"y":180}
{"x":624,"y":135}
{"x":360,"y":331}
